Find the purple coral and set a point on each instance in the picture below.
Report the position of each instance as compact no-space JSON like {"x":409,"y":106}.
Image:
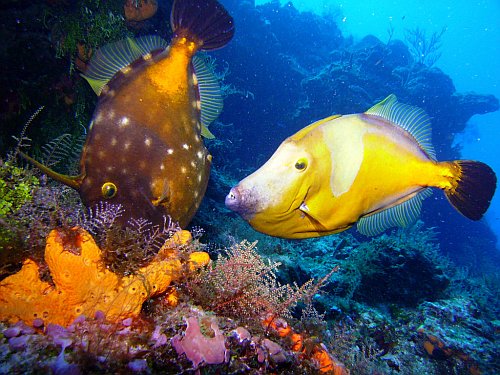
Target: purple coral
{"x":199,"y":348}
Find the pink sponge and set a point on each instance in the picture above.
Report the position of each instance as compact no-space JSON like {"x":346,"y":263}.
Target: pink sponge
{"x":199,"y":348}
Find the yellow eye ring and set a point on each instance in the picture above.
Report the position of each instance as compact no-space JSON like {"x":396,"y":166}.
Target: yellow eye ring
{"x":108,"y":190}
{"x":301,"y":164}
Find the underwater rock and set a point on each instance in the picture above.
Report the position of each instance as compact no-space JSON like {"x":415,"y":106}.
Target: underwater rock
{"x":82,"y":285}
{"x":470,"y":104}
{"x":384,"y":264}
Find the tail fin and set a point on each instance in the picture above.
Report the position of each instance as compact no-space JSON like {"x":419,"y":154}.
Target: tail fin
{"x":205,"y":21}
{"x":476,"y":184}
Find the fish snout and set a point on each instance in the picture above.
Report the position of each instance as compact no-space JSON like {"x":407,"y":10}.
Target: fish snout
{"x":233,"y":199}
{"x":237,"y":201}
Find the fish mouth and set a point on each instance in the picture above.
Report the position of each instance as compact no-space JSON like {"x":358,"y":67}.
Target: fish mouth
{"x":240,"y":203}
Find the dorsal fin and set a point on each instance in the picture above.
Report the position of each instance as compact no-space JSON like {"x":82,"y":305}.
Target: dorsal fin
{"x":210,"y":94}
{"x":112,"y":57}
{"x":401,"y":215}
{"x":412,"y":119}
{"x":303,"y":132}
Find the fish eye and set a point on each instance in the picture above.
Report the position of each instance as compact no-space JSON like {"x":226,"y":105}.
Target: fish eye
{"x":301,"y":164}
{"x":108,"y":190}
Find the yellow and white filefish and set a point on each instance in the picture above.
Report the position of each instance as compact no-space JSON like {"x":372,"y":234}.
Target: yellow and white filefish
{"x":373,"y":169}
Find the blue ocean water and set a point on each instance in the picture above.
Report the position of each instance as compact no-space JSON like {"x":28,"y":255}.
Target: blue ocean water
{"x":470,"y":55}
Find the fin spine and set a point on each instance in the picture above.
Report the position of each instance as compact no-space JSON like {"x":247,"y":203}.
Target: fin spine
{"x":302,"y":133}
{"x":71,"y":181}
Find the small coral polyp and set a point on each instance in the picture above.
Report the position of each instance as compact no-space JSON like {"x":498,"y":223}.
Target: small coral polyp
{"x":83,"y":285}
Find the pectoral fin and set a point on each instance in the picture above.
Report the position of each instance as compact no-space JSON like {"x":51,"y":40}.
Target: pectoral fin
{"x":312,"y":212}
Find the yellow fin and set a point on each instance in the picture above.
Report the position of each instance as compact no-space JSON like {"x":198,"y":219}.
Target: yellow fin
{"x":412,"y":119}
{"x":400,"y":215}
{"x":210,"y":94}
{"x":205,"y":132}
{"x":112,"y":57}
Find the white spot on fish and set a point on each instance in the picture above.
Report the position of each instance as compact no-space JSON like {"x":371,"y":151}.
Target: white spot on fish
{"x":200,"y":154}
{"x":197,"y":138}
{"x":170,"y":151}
{"x":183,"y":169}
{"x":147,"y":141}
{"x":199,"y":178}
{"x":114,"y":141}
{"x":196,"y":194}
{"x":124,"y":121}
{"x":162,"y":167}
{"x":195,"y":79}
{"x":198,"y":105}
{"x":147,"y":57}
{"x":109,"y":169}
{"x":98,"y":118}
{"x":126,"y":145}
{"x":193,"y":164}
{"x":185,"y":146}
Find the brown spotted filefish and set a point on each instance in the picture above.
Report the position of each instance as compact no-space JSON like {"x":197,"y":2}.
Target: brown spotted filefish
{"x":144,"y":149}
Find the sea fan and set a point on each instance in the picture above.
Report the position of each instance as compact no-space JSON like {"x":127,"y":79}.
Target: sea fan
{"x":125,"y":248}
{"x":100,"y":219}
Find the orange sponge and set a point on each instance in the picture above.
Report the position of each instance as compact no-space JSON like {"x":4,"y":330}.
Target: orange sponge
{"x":81,"y":284}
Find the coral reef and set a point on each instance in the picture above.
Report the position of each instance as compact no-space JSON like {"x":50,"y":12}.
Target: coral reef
{"x":81,"y":285}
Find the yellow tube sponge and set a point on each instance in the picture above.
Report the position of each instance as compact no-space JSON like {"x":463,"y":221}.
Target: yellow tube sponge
{"x":81,"y":284}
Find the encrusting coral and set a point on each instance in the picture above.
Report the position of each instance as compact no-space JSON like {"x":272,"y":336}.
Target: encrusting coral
{"x":317,"y":352}
{"x":83,"y":285}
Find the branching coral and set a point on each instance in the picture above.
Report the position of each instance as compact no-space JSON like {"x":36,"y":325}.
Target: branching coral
{"x":243,"y":285}
{"x":425,"y":51}
{"x":82,"y":285}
